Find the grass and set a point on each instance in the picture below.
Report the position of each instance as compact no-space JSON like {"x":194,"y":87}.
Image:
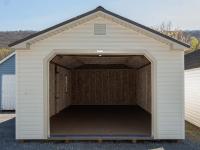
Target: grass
{"x":192,"y":132}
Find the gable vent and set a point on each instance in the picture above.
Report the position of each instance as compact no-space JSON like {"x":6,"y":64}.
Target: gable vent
{"x":99,"y":29}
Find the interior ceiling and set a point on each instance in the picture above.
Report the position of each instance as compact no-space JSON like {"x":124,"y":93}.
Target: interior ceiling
{"x":81,"y":62}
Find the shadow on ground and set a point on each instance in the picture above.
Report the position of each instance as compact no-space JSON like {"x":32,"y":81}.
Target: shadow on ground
{"x":8,"y":142}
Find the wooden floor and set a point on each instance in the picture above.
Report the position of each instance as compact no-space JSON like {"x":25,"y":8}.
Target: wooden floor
{"x":101,"y":121}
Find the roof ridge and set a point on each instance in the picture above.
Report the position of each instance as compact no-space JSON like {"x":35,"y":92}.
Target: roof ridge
{"x":100,"y":8}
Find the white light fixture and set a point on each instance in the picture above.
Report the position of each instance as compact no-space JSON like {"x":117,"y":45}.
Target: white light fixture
{"x":99,"y":51}
{"x":100,"y":55}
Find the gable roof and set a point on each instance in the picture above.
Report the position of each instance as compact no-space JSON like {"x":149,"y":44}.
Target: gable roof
{"x":192,"y":60}
{"x":107,"y":12}
{"x":7,"y":57}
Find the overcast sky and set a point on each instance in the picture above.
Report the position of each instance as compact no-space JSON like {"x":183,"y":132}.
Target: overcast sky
{"x":40,"y":14}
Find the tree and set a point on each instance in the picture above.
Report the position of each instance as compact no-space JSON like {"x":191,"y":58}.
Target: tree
{"x":194,"y":43}
{"x":167,"y":29}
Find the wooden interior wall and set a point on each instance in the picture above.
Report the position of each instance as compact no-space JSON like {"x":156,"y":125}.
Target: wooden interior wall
{"x":103,"y":87}
{"x":99,"y":87}
{"x":143,"y":88}
{"x":63,"y":96}
{"x":59,"y":97}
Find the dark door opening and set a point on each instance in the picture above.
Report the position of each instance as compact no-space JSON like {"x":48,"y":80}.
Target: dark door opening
{"x":100,"y":96}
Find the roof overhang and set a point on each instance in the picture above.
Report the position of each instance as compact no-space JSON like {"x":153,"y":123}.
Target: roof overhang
{"x":99,"y":11}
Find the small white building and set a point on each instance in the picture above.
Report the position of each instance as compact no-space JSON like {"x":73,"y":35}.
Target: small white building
{"x":192,"y":87}
{"x":99,"y":76}
{"x":7,"y":83}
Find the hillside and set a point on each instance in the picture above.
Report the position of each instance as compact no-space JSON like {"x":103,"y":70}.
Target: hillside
{"x":195,"y":33}
{"x":7,"y":37}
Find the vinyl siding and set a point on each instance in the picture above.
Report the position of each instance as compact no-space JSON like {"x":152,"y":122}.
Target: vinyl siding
{"x":192,"y":96}
{"x":81,"y":39}
{"x":7,"y":84}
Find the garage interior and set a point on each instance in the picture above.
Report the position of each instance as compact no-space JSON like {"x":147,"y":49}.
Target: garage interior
{"x":100,"y":96}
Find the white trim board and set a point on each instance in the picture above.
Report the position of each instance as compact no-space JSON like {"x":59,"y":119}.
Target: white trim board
{"x":7,"y":57}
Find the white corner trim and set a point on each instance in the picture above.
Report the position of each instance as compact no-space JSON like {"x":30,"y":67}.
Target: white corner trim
{"x":7,"y":57}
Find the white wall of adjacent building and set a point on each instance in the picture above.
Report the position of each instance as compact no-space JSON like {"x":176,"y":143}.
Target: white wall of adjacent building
{"x":192,"y":96}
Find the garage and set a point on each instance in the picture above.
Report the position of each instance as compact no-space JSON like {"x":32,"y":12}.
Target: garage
{"x":99,"y":95}
{"x":99,"y":76}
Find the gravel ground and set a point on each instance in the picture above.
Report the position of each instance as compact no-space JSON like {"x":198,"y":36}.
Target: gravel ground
{"x":8,"y":142}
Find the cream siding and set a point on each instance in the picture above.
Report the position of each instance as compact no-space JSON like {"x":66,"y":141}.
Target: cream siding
{"x":192,"y":96}
{"x":31,"y":106}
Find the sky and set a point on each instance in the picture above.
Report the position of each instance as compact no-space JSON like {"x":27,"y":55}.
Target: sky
{"x":41,"y":14}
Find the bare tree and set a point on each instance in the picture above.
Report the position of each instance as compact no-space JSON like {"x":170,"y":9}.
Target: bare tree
{"x":167,"y":28}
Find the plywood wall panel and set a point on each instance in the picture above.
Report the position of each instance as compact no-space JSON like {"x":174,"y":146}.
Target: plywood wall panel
{"x":63,"y":96}
{"x":143,"y":88}
{"x":59,"y":98}
{"x":103,"y":87}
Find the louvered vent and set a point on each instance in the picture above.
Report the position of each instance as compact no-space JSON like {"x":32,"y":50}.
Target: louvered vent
{"x":99,"y":29}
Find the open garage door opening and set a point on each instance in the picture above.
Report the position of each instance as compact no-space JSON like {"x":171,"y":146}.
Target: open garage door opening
{"x":100,"y":96}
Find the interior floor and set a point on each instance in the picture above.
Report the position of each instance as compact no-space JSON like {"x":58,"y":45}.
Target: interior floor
{"x":101,"y":120}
